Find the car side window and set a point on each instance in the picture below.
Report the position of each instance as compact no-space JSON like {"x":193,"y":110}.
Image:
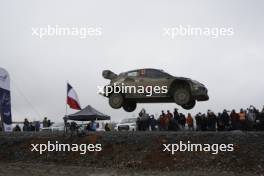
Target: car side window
{"x":155,"y":74}
{"x":133,"y":73}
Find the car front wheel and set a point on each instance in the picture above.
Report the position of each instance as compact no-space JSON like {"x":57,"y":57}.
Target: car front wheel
{"x":129,"y":106}
{"x":182,"y":96}
{"x":116,"y":100}
{"x":189,"y":105}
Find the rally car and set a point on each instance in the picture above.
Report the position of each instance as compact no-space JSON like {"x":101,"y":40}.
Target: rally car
{"x":183,"y":91}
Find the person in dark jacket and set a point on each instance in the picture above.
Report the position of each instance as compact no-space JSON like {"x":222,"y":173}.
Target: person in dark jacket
{"x":176,"y":115}
{"x":226,"y":119}
{"x":107,"y":127}
{"x":26,"y":126}
{"x":45,"y":122}
{"x":234,"y":120}
{"x":220,"y":123}
{"x":183,"y":120}
{"x":17,"y":128}
{"x":198,"y":120}
{"x":153,"y":123}
{"x":211,"y":126}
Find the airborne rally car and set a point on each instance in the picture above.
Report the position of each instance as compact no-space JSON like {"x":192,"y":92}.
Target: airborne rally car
{"x":151,"y":86}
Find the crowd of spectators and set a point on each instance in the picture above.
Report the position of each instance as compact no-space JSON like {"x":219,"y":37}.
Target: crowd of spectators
{"x":250,"y":119}
{"x":32,"y":126}
{"x":246,"y":119}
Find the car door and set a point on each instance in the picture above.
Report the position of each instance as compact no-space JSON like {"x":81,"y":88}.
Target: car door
{"x":130,"y":82}
{"x":158,"y":81}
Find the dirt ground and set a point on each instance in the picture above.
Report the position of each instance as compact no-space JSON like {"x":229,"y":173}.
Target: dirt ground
{"x":36,"y":169}
{"x":133,"y":153}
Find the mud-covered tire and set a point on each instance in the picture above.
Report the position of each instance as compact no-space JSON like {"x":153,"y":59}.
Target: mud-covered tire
{"x":116,"y":100}
{"x":189,"y":105}
{"x":129,"y":106}
{"x":182,"y":96}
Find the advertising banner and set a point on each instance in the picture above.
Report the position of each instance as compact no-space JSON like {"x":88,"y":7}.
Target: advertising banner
{"x":5,"y":100}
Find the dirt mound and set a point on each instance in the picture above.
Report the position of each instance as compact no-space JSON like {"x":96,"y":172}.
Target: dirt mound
{"x":142,"y":150}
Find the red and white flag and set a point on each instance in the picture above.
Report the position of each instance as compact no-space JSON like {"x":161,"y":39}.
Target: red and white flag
{"x":72,"y":98}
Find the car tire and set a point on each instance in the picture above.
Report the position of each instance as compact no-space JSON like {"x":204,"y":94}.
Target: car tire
{"x":116,"y":100}
{"x":182,"y":96}
{"x":189,"y":105}
{"x":129,"y":106}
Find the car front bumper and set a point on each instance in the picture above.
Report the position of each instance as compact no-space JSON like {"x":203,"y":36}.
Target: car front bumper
{"x":201,"y":94}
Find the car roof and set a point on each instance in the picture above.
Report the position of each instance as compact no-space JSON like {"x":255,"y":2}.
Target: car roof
{"x":144,"y":69}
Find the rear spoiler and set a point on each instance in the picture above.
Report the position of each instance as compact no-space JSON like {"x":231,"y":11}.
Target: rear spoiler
{"x":108,"y":74}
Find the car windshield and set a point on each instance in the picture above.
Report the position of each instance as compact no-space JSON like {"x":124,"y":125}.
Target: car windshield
{"x":153,"y":73}
{"x":131,"y":120}
{"x":165,"y":73}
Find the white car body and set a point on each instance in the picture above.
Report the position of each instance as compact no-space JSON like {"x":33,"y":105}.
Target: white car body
{"x":128,"y":124}
{"x":54,"y":127}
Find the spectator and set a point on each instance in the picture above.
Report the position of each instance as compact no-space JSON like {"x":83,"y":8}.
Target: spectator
{"x":169,"y":115}
{"x":143,"y":120}
{"x":211,"y":121}
{"x":17,"y":128}
{"x":176,"y":115}
{"x":204,"y":122}
{"x":220,"y":122}
{"x":73,"y":127}
{"x":242,"y":119}
{"x":162,"y":121}
{"x":153,"y":123}
{"x":107,"y":127}
{"x":226,"y":119}
{"x":49,"y":123}
{"x":183,"y":121}
{"x":198,"y":120}
{"x":169,"y":120}
{"x":45,"y":122}
{"x":259,"y":120}
{"x":88,"y":126}
{"x":31,"y":127}
{"x":250,"y":119}
{"x":234,"y":120}
{"x":93,"y":125}
{"x":26,"y":126}
{"x":189,"y":121}
{"x":37,"y":126}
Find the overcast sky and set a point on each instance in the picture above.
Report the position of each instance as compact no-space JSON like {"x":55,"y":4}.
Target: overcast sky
{"x":132,"y":37}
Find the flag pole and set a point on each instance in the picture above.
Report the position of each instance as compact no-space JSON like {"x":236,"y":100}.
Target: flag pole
{"x":66,"y":107}
{"x":66,"y":110}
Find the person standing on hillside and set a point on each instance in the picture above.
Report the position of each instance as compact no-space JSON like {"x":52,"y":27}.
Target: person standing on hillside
{"x":45,"y":122}
{"x":189,"y":121}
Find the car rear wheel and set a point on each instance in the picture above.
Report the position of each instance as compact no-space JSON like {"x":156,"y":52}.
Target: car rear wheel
{"x":182,"y":96}
{"x":189,"y":105}
{"x":116,"y":100}
{"x":129,"y":106}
